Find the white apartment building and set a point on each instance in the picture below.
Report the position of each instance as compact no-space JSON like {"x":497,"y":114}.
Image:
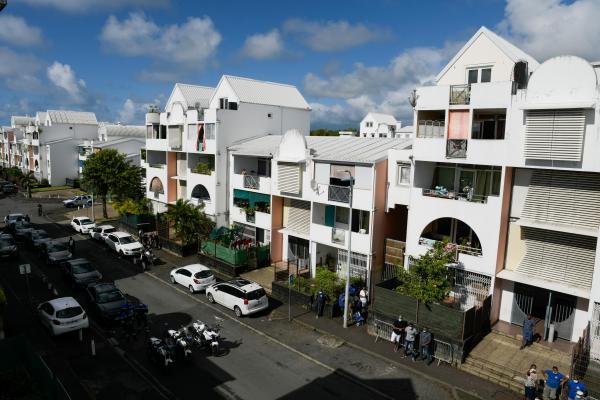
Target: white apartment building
{"x":506,"y":166}
{"x":379,"y":125}
{"x":293,"y":191}
{"x":186,"y":144}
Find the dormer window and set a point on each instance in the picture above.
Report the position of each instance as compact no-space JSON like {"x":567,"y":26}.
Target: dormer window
{"x":223,"y":103}
{"x":479,"y":75}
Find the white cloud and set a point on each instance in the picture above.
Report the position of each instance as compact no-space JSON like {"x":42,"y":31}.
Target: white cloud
{"x":547,"y":28}
{"x":128,"y":112}
{"x":187,"y":47}
{"x":263,"y":46}
{"x":333,"y":35}
{"x":93,"y":6}
{"x":63,"y":77}
{"x":16,"y":32}
{"x":19,"y":72}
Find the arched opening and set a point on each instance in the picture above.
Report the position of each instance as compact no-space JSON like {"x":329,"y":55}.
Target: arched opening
{"x":156,"y":186}
{"x":453,"y":231}
{"x":36,"y":165}
{"x":201,"y":193}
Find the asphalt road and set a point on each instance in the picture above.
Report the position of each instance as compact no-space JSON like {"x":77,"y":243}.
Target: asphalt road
{"x":265,"y":357}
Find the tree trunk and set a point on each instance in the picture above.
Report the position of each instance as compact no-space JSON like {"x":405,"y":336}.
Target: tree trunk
{"x":104,"y":211}
{"x":28,"y":191}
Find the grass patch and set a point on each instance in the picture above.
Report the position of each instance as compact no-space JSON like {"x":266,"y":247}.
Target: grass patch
{"x":50,"y":189}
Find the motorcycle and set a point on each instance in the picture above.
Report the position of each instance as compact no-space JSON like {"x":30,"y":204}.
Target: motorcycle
{"x":160,"y":353}
{"x":182,"y":341}
{"x":207,"y":337}
{"x":147,"y":258}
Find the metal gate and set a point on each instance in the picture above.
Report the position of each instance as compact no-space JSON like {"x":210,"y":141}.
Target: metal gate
{"x":358,"y":264}
{"x":595,"y":333}
{"x":470,"y":289}
{"x":562,"y":314}
{"x":522,"y":305}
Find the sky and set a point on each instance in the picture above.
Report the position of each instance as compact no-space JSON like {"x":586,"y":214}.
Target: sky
{"x":116,"y":57}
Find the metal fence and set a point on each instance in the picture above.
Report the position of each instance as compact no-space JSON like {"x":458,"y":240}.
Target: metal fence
{"x":456,"y":148}
{"x":251,"y":182}
{"x":339,"y":193}
{"x":460,"y":94}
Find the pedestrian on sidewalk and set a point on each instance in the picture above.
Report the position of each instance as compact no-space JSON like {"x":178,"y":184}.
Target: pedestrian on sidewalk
{"x":321,"y":298}
{"x":531,"y":381}
{"x":425,"y":344}
{"x":409,"y":340}
{"x":71,"y":246}
{"x":574,"y":385}
{"x":554,"y":380}
{"x":39,"y":207}
{"x":528,"y":328}
{"x":398,"y":333}
{"x":363,"y":295}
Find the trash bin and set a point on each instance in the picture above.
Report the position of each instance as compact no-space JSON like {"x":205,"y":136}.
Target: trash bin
{"x":551,"y":329}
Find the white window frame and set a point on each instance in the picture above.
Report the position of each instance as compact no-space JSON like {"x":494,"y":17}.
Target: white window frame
{"x":479,"y":69}
{"x":399,"y":167}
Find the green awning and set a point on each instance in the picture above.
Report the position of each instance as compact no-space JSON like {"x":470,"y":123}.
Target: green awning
{"x":241,"y":194}
{"x":252,"y":197}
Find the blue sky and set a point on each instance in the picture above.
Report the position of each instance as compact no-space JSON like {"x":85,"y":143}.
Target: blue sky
{"x":348,"y":57}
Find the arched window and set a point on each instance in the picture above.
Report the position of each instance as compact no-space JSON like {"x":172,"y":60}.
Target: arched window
{"x":156,"y":186}
{"x":200,"y":192}
{"x":454,"y":231}
{"x":36,"y":165}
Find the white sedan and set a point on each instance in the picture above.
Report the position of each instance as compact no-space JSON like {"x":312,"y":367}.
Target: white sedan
{"x":195,"y":277}
{"x":63,"y":315}
{"x":101,"y":232}
{"x":82,"y":224}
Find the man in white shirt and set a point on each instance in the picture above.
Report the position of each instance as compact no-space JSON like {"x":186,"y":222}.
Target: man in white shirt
{"x":409,"y":339}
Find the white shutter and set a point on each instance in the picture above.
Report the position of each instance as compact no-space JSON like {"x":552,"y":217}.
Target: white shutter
{"x":554,"y":135}
{"x":558,"y":256}
{"x":298,"y":216}
{"x":289,"y":178}
{"x":563,"y":197}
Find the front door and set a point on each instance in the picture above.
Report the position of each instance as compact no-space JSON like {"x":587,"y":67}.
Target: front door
{"x":298,"y":251}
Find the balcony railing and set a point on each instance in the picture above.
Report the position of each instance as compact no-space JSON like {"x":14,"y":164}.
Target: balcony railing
{"x":431,"y":129}
{"x":460,"y":94}
{"x":251,"y":182}
{"x":456,"y":248}
{"x":443,"y":193}
{"x":339,"y":193}
{"x":338,"y":236}
{"x":456,"y":148}
{"x":251,"y":218}
{"x":156,"y":165}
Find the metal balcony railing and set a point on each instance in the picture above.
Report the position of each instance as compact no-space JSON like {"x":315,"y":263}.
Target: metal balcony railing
{"x":339,"y":193}
{"x":338,"y":236}
{"x":431,"y":129}
{"x":251,"y":182}
{"x":460,"y":94}
{"x":453,"y":247}
{"x":452,"y":195}
{"x":456,"y":148}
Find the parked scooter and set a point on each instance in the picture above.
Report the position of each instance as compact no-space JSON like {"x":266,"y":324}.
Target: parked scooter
{"x":147,"y":258}
{"x":207,"y":337}
{"x":160,"y":353}
{"x":183,"y":343}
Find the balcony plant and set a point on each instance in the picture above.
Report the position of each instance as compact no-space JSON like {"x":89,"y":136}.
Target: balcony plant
{"x":203,"y":168}
{"x":249,"y":210}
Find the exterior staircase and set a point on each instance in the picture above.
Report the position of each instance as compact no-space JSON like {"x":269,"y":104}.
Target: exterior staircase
{"x":497,"y":358}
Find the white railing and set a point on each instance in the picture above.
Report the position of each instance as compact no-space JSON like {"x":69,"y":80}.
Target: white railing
{"x":443,"y":193}
{"x":251,"y":182}
{"x":431,"y":129}
{"x":457,"y":248}
{"x":339,"y":193}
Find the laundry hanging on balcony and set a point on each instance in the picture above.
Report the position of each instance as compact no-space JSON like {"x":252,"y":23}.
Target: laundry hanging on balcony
{"x":200,"y":138}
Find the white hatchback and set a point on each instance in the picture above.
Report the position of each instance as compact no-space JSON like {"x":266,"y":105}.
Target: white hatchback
{"x":242,"y":296}
{"x":82,"y":224}
{"x":195,"y":277}
{"x":63,"y":315}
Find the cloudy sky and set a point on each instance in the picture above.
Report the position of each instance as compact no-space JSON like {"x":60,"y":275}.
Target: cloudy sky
{"x":348,"y":57}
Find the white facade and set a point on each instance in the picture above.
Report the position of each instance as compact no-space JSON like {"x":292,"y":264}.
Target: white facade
{"x":378,"y":125}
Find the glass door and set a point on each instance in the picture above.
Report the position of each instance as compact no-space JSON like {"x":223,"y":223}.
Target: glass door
{"x":466,"y":182}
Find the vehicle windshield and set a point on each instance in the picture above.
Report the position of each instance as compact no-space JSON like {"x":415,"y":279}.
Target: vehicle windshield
{"x":82,"y":268}
{"x":110,"y":230}
{"x":126,"y":240}
{"x":255,"y":294}
{"x":14,"y":216}
{"x":86,"y":221}
{"x":203,"y":274}
{"x":55,"y":248}
{"x":69,"y":312}
{"x":108,"y":297}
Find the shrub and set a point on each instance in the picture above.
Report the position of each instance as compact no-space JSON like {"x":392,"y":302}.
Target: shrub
{"x":44,"y":182}
{"x":329,"y":282}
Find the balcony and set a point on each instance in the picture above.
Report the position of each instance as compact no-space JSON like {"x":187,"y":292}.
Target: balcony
{"x":456,"y":148}
{"x":338,"y":236}
{"x":453,"y":247}
{"x":442,"y":193}
{"x":431,"y":129}
{"x":460,"y":94}
{"x":251,"y":182}
{"x":340,"y":194}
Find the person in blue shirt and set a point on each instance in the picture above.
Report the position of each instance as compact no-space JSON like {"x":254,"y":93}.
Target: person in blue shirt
{"x":575,"y":385}
{"x":528,"y":328}
{"x":554,"y":381}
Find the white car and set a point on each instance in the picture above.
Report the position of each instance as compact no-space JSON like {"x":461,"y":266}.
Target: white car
{"x":195,"y":277}
{"x":63,"y":315}
{"x":124,"y":244}
{"x":101,"y":232}
{"x":13,"y":218}
{"x":82,"y":224}
{"x":242,"y":296}
{"x":84,"y":200}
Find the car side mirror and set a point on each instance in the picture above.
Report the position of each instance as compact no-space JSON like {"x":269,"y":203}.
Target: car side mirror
{"x":216,"y":288}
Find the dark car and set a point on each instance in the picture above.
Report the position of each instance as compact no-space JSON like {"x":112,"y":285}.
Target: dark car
{"x":54,"y":252}
{"x":107,"y":300}
{"x":80,"y":272}
{"x":8,"y":247}
{"x":36,"y":237}
{"x":21,"y":230}
{"x":9,"y":188}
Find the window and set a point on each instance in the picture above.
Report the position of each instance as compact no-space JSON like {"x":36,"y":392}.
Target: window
{"x":403,"y":173}
{"x":269,"y":115}
{"x":163,"y":132}
{"x":223,"y":103}
{"x":360,"y":221}
{"x":369,"y":124}
{"x":488,"y":126}
{"x":233,"y":106}
{"x":486,"y":75}
{"x":341,"y":215}
{"x":209,"y":131}
{"x":184,"y":272}
{"x":476,"y":75}
{"x":473,"y":76}
{"x":264,"y":167}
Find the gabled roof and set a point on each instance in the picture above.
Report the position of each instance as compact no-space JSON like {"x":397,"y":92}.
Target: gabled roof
{"x":268,"y":93}
{"x":382,"y":118}
{"x":41,"y":116}
{"x":112,"y":142}
{"x":193,"y":94}
{"x":72,"y":117}
{"x":511,"y":51}
{"x":123,"y":130}
{"x":18,"y":120}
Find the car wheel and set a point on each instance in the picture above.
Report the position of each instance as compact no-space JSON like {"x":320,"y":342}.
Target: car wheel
{"x":210,"y":298}
{"x":192,"y":291}
{"x":237,"y":311}
{"x":173,"y":279}
{"x":121,"y":253}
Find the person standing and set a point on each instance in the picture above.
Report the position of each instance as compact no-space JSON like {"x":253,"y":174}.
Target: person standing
{"x":71,"y":246}
{"x":27,"y":219}
{"x":554,"y":380}
{"x":528,"y":327}
{"x":531,"y":383}
{"x":321,"y":297}
{"x":363,"y":295}
{"x":398,"y":332}
{"x":411,"y":333}
{"x":425,"y":344}
{"x":574,"y":385}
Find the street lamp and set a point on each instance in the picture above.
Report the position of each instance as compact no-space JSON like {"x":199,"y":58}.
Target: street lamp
{"x":348,"y":257}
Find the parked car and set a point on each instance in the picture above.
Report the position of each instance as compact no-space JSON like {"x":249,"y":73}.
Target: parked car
{"x":124,"y":244}
{"x":21,"y":229}
{"x":8,"y":247}
{"x":80,"y":272}
{"x":195,"y":277}
{"x":78,"y":201}
{"x":107,"y":299}
{"x":55,"y":252}
{"x":10,"y":219}
{"x":82,"y":224}
{"x":63,"y":315}
{"x":242,"y":296}
{"x":10,"y":188}
{"x":36,"y":237}
{"x":101,"y":232}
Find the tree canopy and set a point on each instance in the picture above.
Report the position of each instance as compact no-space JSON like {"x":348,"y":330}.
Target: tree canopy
{"x":188,"y":220}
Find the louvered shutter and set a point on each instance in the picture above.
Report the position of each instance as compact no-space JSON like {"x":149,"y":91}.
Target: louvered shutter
{"x":554,"y":135}
{"x":289,"y":178}
{"x":298,"y":216}
{"x":558,"y":256}
{"x":563,"y":197}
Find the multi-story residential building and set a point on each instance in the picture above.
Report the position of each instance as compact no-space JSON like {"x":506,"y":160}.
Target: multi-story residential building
{"x":505,"y":166}
{"x":186,"y":145}
{"x":379,"y":125}
{"x":295,"y":193}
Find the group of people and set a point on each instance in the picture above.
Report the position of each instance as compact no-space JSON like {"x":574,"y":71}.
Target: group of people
{"x":357,"y":303}
{"x":149,"y":239}
{"x":416,"y":344}
{"x":553,"y":383}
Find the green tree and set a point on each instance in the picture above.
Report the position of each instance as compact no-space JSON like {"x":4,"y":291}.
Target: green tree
{"x":188,"y":220}
{"x":131,"y":206}
{"x":428,"y":279}
{"x":107,"y":171}
{"x":27,"y":181}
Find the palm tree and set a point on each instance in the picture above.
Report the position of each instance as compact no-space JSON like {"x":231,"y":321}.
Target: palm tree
{"x":188,"y":220}
{"x":27,"y":181}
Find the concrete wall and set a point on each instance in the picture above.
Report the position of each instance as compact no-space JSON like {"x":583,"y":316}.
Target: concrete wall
{"x":63,"y":161}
